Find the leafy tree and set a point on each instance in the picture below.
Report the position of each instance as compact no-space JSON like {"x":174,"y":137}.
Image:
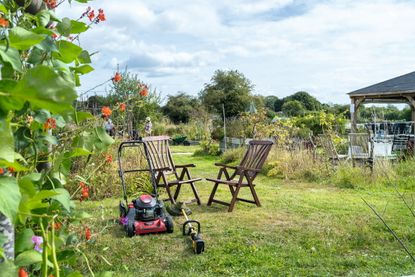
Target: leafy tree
{"x":139,"y":99}
{"x":180,"y":108}
{"x":293,"y":108}
{"x":270,"y":102}
{"x":230,"y":88}
{"x":278,"y":105}
{"x":309,"y":102}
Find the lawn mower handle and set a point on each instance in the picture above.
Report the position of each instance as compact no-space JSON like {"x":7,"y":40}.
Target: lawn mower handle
{"x":134,"y":143}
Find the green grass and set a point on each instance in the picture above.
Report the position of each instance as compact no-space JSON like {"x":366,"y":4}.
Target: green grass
{"x":301,"y":229}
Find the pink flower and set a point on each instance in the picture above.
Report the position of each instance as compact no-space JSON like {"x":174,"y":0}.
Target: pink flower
{"x":37,"y":240}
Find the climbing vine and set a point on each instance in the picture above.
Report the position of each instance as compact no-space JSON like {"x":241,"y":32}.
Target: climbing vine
{"x":42,"y":134}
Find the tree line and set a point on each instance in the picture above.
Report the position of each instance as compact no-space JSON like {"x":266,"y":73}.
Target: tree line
{"x":231,"y":92}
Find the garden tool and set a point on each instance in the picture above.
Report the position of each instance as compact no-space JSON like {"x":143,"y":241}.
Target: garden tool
{"x":191,"y":227}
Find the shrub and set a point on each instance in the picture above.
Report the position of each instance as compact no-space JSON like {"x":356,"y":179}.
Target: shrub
{"x":207,"y":148}
{"x":232,"y":155}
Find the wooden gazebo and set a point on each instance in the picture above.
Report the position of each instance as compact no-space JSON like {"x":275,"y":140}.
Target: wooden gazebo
{"x":400,"y":89}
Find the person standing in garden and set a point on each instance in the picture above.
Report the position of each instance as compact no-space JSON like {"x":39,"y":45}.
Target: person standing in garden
{"x":108,"y":125}
{"x":148,"y":126}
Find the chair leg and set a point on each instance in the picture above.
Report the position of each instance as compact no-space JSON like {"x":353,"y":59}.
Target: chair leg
{"x":192,"y":185}
{"x":172,"y":200}
{"x":176,"y":193}
{"x":235,"y":195}
{"x":212,"y":194}
{"x":232,"y":190}
{"x":258,"y":204}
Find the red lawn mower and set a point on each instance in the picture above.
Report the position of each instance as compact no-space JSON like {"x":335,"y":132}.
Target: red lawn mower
{"x":147,"y":213}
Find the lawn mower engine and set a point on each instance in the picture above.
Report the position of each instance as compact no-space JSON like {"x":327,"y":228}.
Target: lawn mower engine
{"x":145,"y":215}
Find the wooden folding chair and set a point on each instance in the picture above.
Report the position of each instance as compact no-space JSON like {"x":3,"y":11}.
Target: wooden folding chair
{"x":330,"y":150}
{"x":361,"y":149}
{"x":243,"y":175}
{"x":159,"y":155}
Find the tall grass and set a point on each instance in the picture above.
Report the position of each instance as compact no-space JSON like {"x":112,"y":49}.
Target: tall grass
{"x":298,"y":164}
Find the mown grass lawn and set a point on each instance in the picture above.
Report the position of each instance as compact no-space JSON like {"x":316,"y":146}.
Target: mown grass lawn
{"x":301,"y":229}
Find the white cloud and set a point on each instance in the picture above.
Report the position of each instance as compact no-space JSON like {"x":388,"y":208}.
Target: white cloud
{"x":327,"y":47}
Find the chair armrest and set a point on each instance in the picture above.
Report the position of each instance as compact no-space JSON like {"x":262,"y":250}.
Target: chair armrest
{"x":225,"y":165}
{"x":248,"y":169}
{"x":163,"y":169}
{"x":185,"y":165}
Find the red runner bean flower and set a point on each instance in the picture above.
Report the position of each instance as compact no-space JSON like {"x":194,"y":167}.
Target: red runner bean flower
{"x":57,"y":226}
{"x":122,"y":107}
{"x":108,"y":159}
{"x":1,"y":171}
{"x":87,"y":233}
{"x":144,"y":91}
{"x":85,"y":191}
{"x":91,"y":15}
{"x":101,"y":15}
{"x":11,"y":169}
{"x":106,"y":111}
{"x":49,"y":124}
{"x":4,"y":22}
{"x":50,"y":3}
{"x":117,"y":77}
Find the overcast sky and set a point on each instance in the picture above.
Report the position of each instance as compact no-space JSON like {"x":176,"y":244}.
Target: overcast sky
{"x":327,"y":48}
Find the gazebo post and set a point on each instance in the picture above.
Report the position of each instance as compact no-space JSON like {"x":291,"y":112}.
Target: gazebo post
{"x":412,"y":105}
{"x":354,"y":105}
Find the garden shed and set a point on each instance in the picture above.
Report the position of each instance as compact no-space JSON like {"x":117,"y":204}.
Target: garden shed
{"x":397,"y":90}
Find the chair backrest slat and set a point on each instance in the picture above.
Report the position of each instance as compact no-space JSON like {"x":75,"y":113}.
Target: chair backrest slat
{"x":256,"y":154}
{"x":159,"y":152}
{"x":360,"y":145}
{"x":328,"y":146}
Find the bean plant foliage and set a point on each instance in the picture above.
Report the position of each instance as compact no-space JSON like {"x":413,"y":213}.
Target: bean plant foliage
{"x":42,"y":134}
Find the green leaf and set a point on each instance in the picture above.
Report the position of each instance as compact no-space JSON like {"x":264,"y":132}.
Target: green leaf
{"x":76,"y":152}
{"x":82,"y":215}
{"x":7,"y":142}
{"x":60,"y":121}
{"x":43,"y":194}
{"x":27,"y":258}
{"x":12,"y":56}
{"x":36,"y":56}
{"x":64,"y":198}
{"x":9,"y":197}
{"x":48,"y":45}
{"x":23,"y":39}
{"x":43,"y":17}
{"x":8,"y":103}
{"x":68,"y":51}
{"x":84,"y":57}
{"x":16,"y":165}
{"x":27,"y":184}
{"x":83,"y":116}
{"x":54,"y":17}
{"x":45,"y":89}
{"x":60,"y":177}
{"x":64,"y":27}
{"x":78,"y":27}
{"x":83,"y":69}
{"x":3,"y":9}
{"x":24,"y":240}
{"x":41,"y":116}
{"x":103,"y":136}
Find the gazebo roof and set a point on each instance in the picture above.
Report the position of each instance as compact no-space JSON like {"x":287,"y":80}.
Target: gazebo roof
{"x":395,"y":87}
